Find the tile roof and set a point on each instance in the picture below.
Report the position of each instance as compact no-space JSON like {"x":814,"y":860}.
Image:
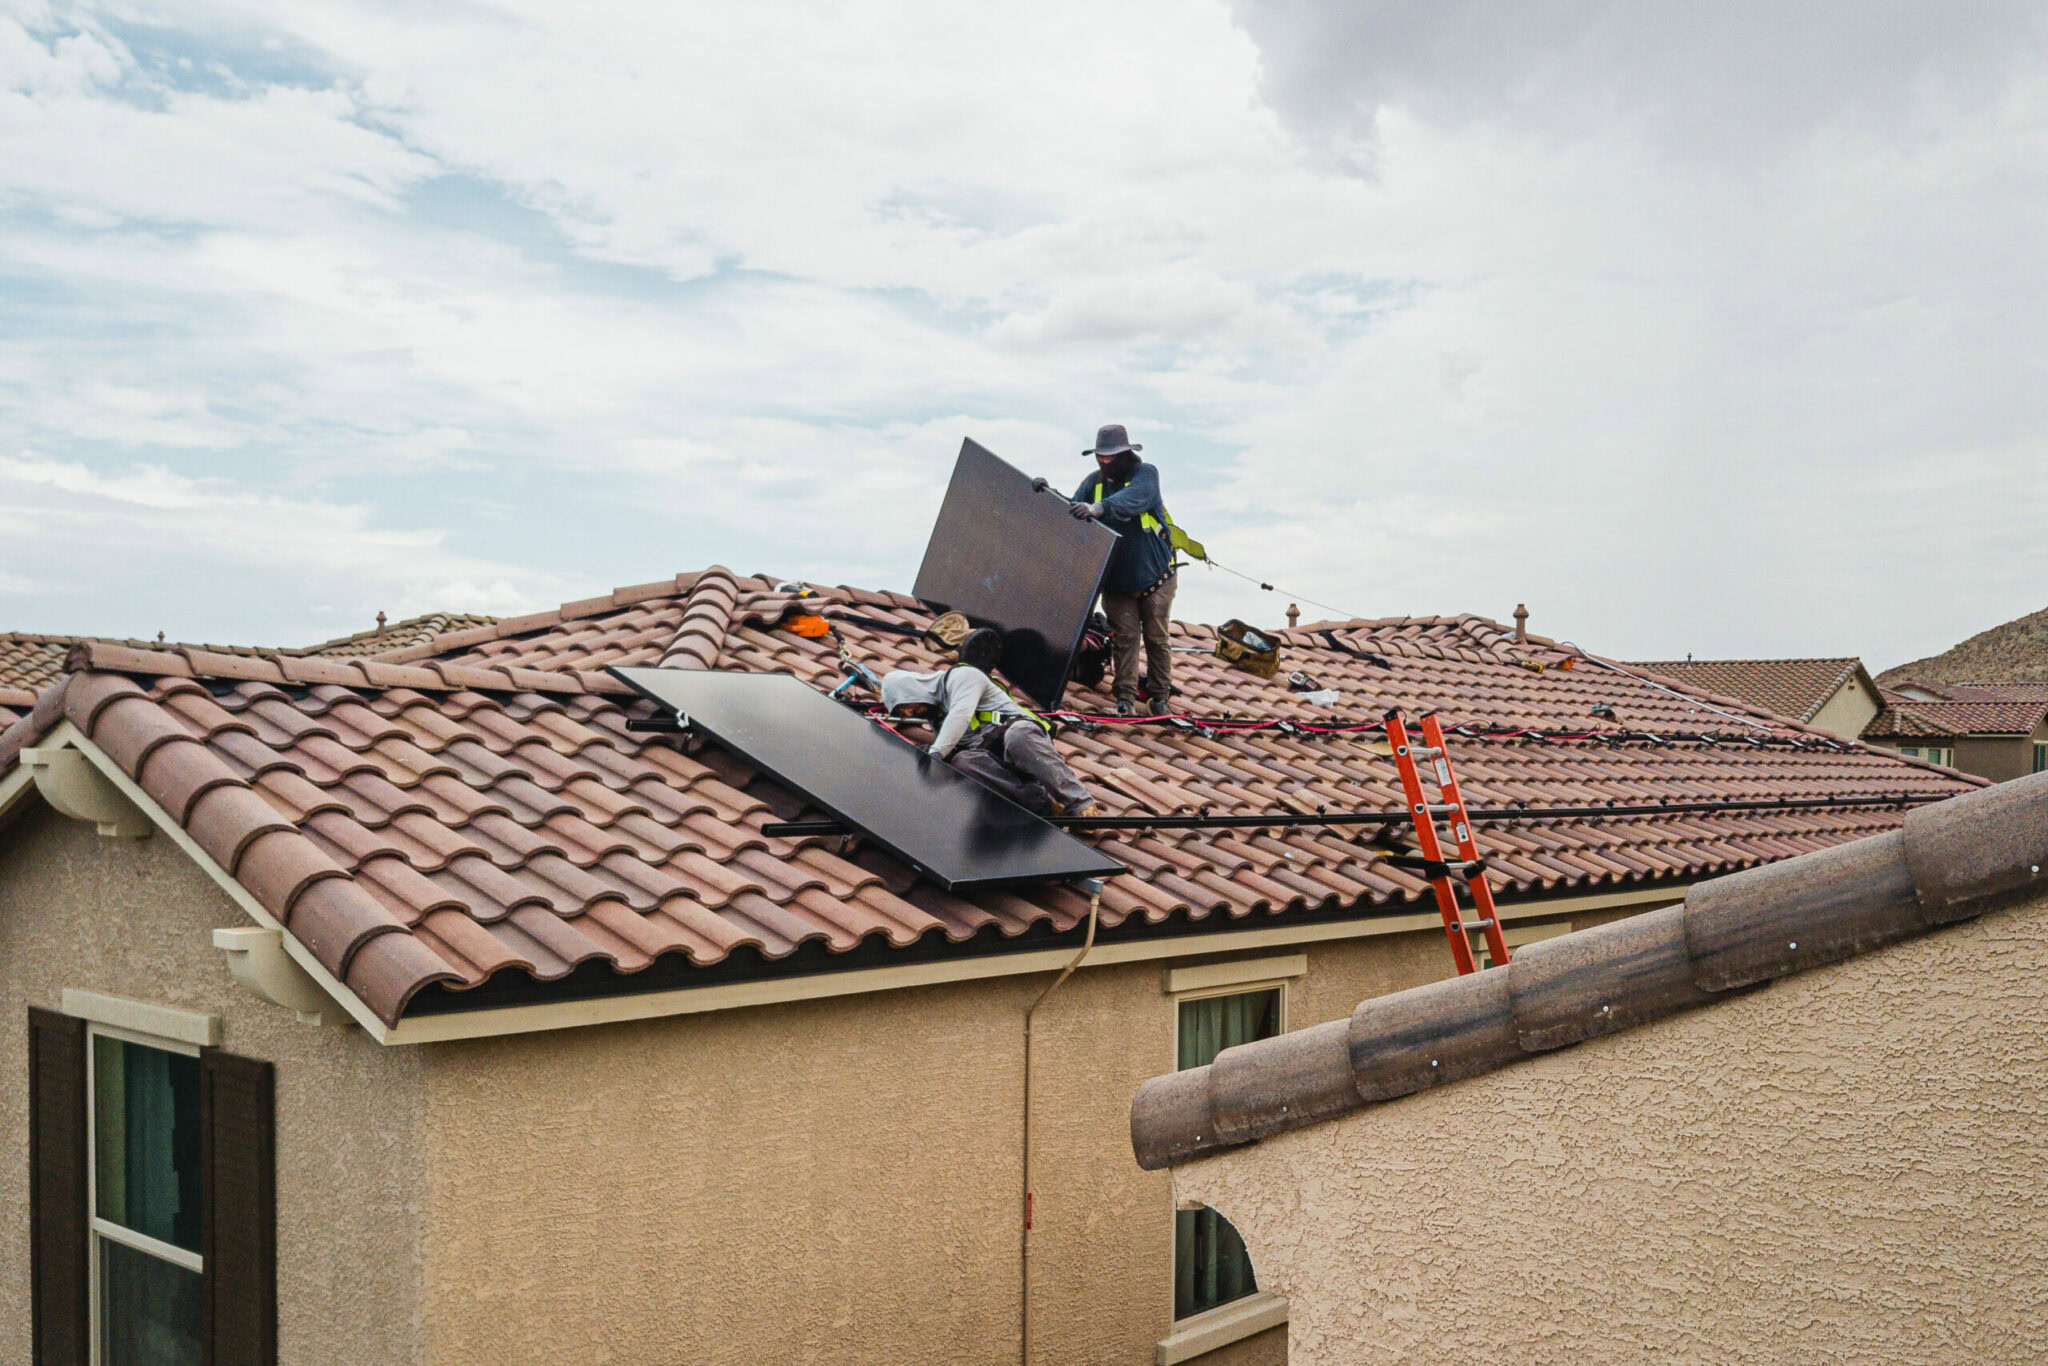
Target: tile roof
{"x":1797,"y":688}
{"x":1978,"y":710}
{"x":29,"y":663}
{"x":475,"y":809}
{"x":1951,"y":861}
{"x":398,"y":635}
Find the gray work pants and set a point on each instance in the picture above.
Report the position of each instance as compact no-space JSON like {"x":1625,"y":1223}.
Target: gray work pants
{"x":1143,"y":621}
{"x":1019,"y":761}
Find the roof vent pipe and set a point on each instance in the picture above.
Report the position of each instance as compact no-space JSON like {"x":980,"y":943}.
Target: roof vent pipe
{"x":380,"y":623}
{"x":1522,"y":623}
{"x":1293,"y":616}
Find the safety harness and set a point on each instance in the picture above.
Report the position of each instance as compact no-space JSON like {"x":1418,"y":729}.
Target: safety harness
{"x":990,"y":718}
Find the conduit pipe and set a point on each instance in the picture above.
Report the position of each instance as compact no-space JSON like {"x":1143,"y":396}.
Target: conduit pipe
{"x":1024,"y":1246}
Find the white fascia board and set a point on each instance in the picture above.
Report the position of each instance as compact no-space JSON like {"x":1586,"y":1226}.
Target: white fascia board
{"x":15,"y":786}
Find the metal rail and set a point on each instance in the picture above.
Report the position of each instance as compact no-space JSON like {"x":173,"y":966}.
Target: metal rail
{"x":1256,"y":820}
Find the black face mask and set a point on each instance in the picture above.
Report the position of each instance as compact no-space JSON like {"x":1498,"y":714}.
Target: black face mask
{"x":1122,"y":467}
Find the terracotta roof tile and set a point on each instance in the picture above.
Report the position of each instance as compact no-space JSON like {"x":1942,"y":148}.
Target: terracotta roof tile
{"x":1982,"y":709}
{"x":484,"y":811}
{"x":1797,"y":688}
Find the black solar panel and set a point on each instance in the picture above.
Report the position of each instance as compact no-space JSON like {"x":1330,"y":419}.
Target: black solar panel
{"x":1015,"y":560}
{"x":948,"y":826}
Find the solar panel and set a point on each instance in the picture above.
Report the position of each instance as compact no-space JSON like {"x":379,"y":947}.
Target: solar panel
{"x":940,"y":821}
{"x":1017,"y":561}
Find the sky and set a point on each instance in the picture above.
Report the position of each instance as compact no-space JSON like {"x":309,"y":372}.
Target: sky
{"x":1710,"y":329}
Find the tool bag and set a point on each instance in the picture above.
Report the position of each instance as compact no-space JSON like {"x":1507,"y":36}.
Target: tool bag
{"x":1243,"y":647}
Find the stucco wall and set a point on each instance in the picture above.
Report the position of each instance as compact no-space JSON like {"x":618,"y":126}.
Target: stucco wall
{"x":2000,"y":759}
{"x":1844,"y":1166}
{"x":135,"y":918}
{"x":829,"y":1180}
{"x":1853,"y":707}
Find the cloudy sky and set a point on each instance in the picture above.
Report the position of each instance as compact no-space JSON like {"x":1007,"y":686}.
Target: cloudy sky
{"x":1710,"y":328}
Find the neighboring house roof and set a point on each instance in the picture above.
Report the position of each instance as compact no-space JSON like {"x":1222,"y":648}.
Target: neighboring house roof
{"x":1797,"y":688}
{"x":399,"y":635}
{"x":2016,"y":651}
{"x":30,"y":663}
{"x":1979,"y":710}
{"x":474,"y":815}
{"x":1951,"y":861}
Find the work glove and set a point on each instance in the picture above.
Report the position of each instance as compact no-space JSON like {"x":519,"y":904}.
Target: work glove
{"x":1087,"y":512}
{"x":1040,"y":484}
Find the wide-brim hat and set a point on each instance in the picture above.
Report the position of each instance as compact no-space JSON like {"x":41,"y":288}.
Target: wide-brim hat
{"x":1112,"y":440}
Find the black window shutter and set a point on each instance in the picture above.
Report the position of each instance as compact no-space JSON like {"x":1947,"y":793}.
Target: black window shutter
{"x":60,"y":1328}
{"x":238,"y":1228}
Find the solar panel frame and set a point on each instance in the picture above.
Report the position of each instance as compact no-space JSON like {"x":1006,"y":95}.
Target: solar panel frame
{"x":943,"y":823}
{"x":1015,"y":560}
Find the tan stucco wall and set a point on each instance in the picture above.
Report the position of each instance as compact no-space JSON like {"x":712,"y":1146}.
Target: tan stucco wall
{"x":1854,"y":706}
{"x":827,"y":1180}
{"x":134,"y":918}
{"x":1845,"y":1166}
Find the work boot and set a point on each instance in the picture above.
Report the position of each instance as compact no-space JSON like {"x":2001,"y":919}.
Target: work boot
{"x":1158,"y":706}
{"x":1126,"y":706}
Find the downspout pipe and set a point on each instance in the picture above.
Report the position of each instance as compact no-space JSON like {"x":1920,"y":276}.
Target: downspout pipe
{"x":1094,"y":890}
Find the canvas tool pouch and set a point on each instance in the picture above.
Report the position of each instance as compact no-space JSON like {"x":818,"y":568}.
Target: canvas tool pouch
{"x":946,"y":633}
{"x":1242,"y":647}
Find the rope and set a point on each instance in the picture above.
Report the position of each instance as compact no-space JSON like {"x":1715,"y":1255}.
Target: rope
{"x":1684,"y":697}
{"x":1583,"y":652}
{"x":1303,"y":597}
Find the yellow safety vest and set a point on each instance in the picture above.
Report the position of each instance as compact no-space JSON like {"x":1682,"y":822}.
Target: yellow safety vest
{"x":1175,"y":537}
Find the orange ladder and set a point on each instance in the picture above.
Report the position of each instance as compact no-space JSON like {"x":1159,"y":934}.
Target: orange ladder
{"x":1443,"y":874}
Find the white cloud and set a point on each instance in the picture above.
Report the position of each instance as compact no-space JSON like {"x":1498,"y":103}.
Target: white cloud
{"x":143,"y":549}
{"x":1714,"y":330}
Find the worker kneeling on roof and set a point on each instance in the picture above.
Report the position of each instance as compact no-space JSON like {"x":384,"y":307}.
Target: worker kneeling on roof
{"x":987,"y":734}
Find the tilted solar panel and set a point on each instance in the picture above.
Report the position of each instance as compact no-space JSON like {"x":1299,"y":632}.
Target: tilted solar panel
{"x":943,"y":823}
{"x":1015,"y":560}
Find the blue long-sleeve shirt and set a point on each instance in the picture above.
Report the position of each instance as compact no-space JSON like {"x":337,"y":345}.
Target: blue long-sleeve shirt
{"x":1141,"y":557}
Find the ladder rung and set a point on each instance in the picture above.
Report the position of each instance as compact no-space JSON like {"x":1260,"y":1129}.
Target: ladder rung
{"x":1437,"y":867}
{"x":1436,"y":809}
{"x":1470,"y":925}
{"x":1425,"y":751}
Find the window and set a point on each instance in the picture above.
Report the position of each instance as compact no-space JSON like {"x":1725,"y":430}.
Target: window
{"x":152,"y":1189}
{"x":1210,"y":1265}
{"x":1936,"y":754}
{"x":2040,"y":758}
{"x":145,"y":1264}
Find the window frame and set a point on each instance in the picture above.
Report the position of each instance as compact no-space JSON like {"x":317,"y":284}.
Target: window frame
{"x":98,"y":1228}
{"x":1177,"y":999}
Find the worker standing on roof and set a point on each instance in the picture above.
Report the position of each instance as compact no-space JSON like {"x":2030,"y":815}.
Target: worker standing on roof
{"x":986,"y":733}
{"x":1137,"y":588}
